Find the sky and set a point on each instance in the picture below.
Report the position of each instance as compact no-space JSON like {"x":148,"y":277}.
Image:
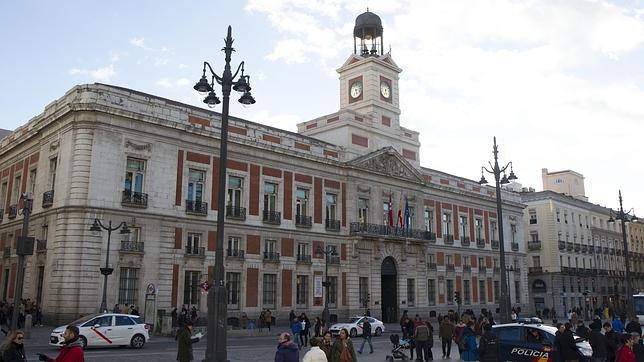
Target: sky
{"x":559,"y":83}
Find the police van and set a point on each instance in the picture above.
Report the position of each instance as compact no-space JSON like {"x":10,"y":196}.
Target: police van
{"x":533,"y":343}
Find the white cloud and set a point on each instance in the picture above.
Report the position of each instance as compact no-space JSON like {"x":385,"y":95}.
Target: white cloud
{"x":139,"y":42}
{"x":103,"y":74}
{"x":283,"y":121}
{"x":173,"y":83}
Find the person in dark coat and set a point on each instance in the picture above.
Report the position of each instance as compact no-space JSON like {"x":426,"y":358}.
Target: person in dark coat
{"x":634,"y":326}
{"x":488,"y":345}
{"x":366,"y":335}
{"x":596,"y":324}
{"x":599,"y":343}
{"x":287,"y":351}
{"x":582,"y":331}
{"x":611,"y":342}
{"x":566,"y":343}
{"x":185,"y":340}
{"x":13,"y":349}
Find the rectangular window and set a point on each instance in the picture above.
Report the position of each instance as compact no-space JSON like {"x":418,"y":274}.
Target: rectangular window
{"x":302,"y":250}
{"x":410,"y":218}
{"x":234,"y":196}
{"x":270,"y":246}
{"x":447,"y":223}
{"x":449,"y":286}
{"x":270,"y":197}
{"x":536,"y":261}
{"x":513,"y":232}
{"x":15,"y":193}
{"x":363,"y":210}
{"x":496,"y":290}
{"x":301,"y":202}
{"x":3,"y":194}
{"x":465,"y":226}
{"x":385,"y":213}
{"x":411,"y":292}
{"x":333,"y":290}
{"x":269,"y":293}
{"x":364,"y":292}
{"x":431,"y":291}
{"x":331,"y":206}
{"x":449,"y":259}
{"x":32,"y":181}
{"x":429,"y":220}
{"x":233,"y":285}
{"x":53,"y":164}
{"x":234,"y":245}
{"x":134,"y":175}
{"x":196,"y":179}
{"x":482,"y":298}
{"x":533,"y":216}
{"x":191,"y":293}
{"x":466,"y":292}
{"x":302,"y":290}
{"x":495,"y":262}
{"x":466,"y":260}
{"x":478,"y":228}
{"x":194,"y":242}
{"x":494,"y":230}
{"x":128,"y":286}
{"x":41,"y":279}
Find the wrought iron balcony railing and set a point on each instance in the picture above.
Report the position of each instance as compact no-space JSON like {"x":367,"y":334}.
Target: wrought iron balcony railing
{"x":304,"y":259}
{"x":196,"y":251}
{"x":534,"y":245}
{"x":358,"y":228}
{"x":48,"y":198}
{"x":535,"y":270}
{"x":234,"y":254}
{"x":480,"y":243}
{"x":465,"y":241}
{"x":467,"y":268}
{"x":7,"y":252}
{"x":272,"y":217}
{"x":569,"y":246}
{"x":562,"y":245}
{"x":496,"y":269}
{"x":332,"y":225}
{"x":334,"y":259}
{"x":303,"y":221}
{"x":13,"y":211}
{"x":577,"y":247}
{"x":196,"y":207}
{"x":235,"y":212}
{"x":132,"y":246}
{"x":448,"y":239}
{"x":514,"y":246}
{"x":134,"y":199}
{"x":449,"y":267}
{"x":41,"y":246}
{"x":431,"y":266}
{"x":271,"y":256}
{"x":495,"y":244}
{"x":482,"y":269}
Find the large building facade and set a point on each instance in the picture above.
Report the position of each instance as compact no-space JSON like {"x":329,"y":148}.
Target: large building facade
{"x":118,"y":155}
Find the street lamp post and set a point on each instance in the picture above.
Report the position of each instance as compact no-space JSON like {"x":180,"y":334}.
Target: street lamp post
{"x":495,"y":170}
{"x":625,"y":217}
{"x":326,"y":284}
{"x":107,"y":270}
{"x":217,"y":294}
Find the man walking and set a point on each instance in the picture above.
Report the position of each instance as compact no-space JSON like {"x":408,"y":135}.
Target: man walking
{"x":446,"y":332}
{"x":185,"y":340}
{"x":421,"y":336}
{"x":366,"y":334}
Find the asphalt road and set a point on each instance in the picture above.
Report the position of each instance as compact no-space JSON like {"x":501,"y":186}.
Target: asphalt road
{"x":240,"y":348}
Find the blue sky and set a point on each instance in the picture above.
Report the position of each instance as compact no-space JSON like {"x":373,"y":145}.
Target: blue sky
{"x":559,"y":83}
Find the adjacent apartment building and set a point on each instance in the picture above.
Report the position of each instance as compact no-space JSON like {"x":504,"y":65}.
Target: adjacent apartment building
{"x":115,"y":154}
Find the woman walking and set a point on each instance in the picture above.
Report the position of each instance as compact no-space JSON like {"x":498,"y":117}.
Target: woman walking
{"x":343,"y":348}
{"x":13,"y":349}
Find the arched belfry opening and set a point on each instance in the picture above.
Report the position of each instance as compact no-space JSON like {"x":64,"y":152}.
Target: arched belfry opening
{"x":368,"y":33}
{"x":389,"y":290}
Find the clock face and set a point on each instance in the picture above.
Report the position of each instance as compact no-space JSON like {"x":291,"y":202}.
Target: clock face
{"x":356,"y":89}
{"x":385,"y":90}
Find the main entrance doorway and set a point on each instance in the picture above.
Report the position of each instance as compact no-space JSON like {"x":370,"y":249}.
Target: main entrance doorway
{"x":388,"y":290}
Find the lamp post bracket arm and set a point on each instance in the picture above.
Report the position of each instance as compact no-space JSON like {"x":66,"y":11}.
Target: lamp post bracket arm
{"x":240,"y":66}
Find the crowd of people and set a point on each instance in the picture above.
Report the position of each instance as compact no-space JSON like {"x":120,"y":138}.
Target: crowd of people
{"x":26,"y":307}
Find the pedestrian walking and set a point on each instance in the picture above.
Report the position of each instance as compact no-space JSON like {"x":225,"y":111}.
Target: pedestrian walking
{"x":185,"y":340}
{"x":599,"y":344}
{"x":446,"y":333}
{"x":116,"y":309}
{"x":13,"y":349}
{"x":618,"y":326}
{"x":634,"y":326}
{"x":268,"y":319}
{"x":488,"y":345}
{"x":566,"y":343}
{"x":469,"y":340}
{"x":72,"y":350}
{"x":317,"y":327}
{"x":342,"y":350}
{"x":327,"y":345}
{"x":306,"y":328}
{"x":315,"y":354}
{"x":421,"y":337}
{"x":611,"y":342}
{"x":287,"y":351}
{"x":366,"y":335}
{"x":296,"y":329}
{"x":625,"y":353}
{"x":582,"y":330}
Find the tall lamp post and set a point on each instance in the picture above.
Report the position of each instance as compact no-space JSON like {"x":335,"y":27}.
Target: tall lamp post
{"x":217,"y":294}
{"x":107,"y":270}
{"x":495,"y":170}
{"x":625,"y":217}
{"x":328,"y":252}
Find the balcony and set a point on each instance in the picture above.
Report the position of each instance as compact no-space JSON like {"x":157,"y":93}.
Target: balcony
{"x":41,"y":246}
{"x":235,"y":212}
{"x":480,"y":243}
{"x":332,"y":225}
{"x":496,"y":270}
{"x":303,"y":259}
{"x":196,"y":251}
{"x":533,"y":221}
{"x":569,"y":246}
{"x":271,"y":257}
{"x":482,"y":269}
{"x":196,"y":207}
{"x":235,"y":254}
{"x":562,"y":245}
{"x":612,"y":251}
{"x":534,"y":245}
{"x":13,"y":211}
{"x":577,"y":247}
{"x":514,"y":246}
{"x":303,"y":221}
{"x":535,"y":270}
{"x":7,"y":252}
{"x":449,"y":267}
{"x":362,"y":229}
{"x":465,"y":241}
{"x":48,"y":198}
{"x":565,"y":270}
{"x":495,"y":244}
{"x":431,"y":266}
{"x":333,"y":260}
{"x":584,"y":248}
{"x":448,"y":239}
{"x":605,"y":250}
{"x":272,"y":217}
{"x":467,"y":268}
{"x":132,"y":247}
{"x":132,"y":199}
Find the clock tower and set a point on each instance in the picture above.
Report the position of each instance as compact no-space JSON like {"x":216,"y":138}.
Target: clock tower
{"x":369,"y":116}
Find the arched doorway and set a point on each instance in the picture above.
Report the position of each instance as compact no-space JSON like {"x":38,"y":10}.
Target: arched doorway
{"x":388,"y":290}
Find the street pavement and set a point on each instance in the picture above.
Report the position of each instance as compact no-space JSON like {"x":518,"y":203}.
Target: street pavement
{"x":241,"y":348}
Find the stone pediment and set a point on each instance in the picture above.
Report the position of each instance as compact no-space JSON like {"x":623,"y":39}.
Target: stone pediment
{"x":387,"y":161}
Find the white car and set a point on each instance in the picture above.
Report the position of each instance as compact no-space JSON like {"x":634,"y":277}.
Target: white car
{"x":106,"y":329}
{"x":354,"y":326}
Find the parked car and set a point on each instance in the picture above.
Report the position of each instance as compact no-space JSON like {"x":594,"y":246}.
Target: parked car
{"x":106,"y":329}
{"x":516,"y":345}
{"x":354,"y":326}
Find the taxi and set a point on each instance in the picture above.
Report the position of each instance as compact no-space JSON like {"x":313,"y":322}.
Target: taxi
{"x":533,"y":342}
{"x":106,"y":329}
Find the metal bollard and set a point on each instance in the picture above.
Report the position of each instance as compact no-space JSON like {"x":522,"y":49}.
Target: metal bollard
{"x":27,"y":329}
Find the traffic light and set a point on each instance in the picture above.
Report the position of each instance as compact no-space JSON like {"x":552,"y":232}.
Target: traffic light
{"x":457,"y":297}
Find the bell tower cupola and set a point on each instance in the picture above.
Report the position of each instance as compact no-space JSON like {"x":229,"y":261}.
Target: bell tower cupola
{"x":367,"y":35}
